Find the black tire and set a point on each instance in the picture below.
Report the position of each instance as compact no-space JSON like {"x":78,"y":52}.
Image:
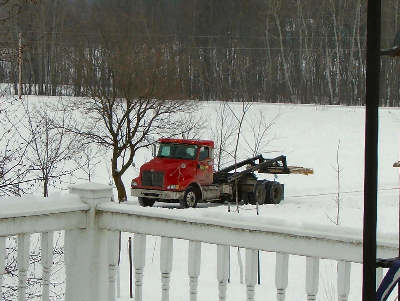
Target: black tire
{"x":274,"y":193}
{"x":190,"y":198}
{"x":259,"y":193}
{"x":146,"y":202}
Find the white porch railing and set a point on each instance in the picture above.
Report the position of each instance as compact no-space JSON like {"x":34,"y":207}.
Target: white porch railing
{"x":92,"y":223}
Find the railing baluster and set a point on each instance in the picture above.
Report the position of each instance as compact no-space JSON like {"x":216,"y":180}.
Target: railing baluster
{"x":113,"y":249}
{"x":312,"y":277}
{"x":222,"y":270}
{"x":281,"y":275}
{"x":251,"y":273}
{"x":47,"y":261}
{"x":194,"y":260}
{"x":166,"y":255}
{"x":139,"y":259}
{"x":2,"y":262}
{"x":23,"y":264}
{"x":343,"y":281}
{"x":118,"y":281}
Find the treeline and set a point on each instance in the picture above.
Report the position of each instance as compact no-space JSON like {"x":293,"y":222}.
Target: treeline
{"x":274,"y":51}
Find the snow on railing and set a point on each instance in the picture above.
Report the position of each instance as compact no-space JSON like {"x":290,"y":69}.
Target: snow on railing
{"x":27,"y":215}
{"x":92,"y":224}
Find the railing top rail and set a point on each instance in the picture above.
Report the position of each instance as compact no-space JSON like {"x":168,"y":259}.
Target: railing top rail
{"x":252,"y":223}
{"x":255,"y":232}
{"x":31,"y":214}
{"x":33,"y":205}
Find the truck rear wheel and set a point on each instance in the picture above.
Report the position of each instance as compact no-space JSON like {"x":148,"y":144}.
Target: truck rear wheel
{"x":190,"y":198}
{"x":146,"y":202}
{"x":260,"y":193}
{"x":274,"y":193}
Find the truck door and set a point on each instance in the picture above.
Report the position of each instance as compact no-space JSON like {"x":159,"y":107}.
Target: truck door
{"x":205,"y":166}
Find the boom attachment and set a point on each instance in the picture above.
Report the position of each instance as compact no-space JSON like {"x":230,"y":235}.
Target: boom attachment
{"x":296,"y":170}
{"x":276,"y":165}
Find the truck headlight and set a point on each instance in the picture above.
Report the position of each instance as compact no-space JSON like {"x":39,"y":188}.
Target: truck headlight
{"x":134,"y":183}
{"x":173,"y":187}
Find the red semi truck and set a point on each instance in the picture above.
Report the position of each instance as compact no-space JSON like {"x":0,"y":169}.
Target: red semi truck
{"x":182,"y":171}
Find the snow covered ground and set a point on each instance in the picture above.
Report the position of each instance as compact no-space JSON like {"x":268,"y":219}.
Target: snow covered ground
{"x":310,"y":136}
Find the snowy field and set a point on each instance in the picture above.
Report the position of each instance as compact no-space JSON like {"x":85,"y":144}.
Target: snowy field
{"x":319,"y":137}
{"x":309,"y":136}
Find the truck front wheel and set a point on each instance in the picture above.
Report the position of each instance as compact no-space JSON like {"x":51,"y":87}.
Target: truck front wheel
{"x":190,"y":198}
{"x":146,"y":202}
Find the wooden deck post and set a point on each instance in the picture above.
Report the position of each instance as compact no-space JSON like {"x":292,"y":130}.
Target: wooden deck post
{"x":86,"y":250}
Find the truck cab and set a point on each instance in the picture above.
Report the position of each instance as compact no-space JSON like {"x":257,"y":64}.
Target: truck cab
{"x":178,"y":172}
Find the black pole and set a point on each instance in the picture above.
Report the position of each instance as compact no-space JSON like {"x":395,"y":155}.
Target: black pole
{"x":371,"y":149}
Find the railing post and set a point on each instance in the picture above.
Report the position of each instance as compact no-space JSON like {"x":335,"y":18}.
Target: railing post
{"x":23,"y":264}
{"x":113,"y":250}
{"x":86,"y":250}
{"x":2,"y":262}
{"x":343,"y":281}
{"x":139,"y":261}
{"x":194,"y":261}
{"x":312,"y":277}
{"x":166,"y":256}
{"x":251,"y":273}
{"x":281,"y":275}
{"x":47,"y":262}
{"x":222,"y":270}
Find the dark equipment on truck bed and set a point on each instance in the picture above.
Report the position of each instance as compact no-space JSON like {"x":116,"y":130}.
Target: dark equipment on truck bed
{"x":261,"y":191}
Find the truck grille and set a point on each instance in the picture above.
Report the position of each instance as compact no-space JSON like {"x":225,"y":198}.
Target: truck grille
{"x":152,"y":178}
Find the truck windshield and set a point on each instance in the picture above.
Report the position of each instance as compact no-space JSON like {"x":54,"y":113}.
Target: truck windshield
{"x":177,"y":151}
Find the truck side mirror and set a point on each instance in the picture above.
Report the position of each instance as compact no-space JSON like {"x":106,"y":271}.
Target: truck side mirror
{"x":154,"y":150}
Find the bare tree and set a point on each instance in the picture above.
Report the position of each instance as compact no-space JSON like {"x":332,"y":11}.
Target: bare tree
{"x":192,"y":125}
{"x":127,"y":89}
{"x":260,"y":128}
{"x":285,"y":62}
{"x":338,"y":198}
{"x":223,"y":132}
{"x":49,"y":148}
{"x":11,"y":8}
{"x":239,"y":118}
{"x":123,"y":125}
{"x":13,"y":170}
{"x":88,"y":160}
